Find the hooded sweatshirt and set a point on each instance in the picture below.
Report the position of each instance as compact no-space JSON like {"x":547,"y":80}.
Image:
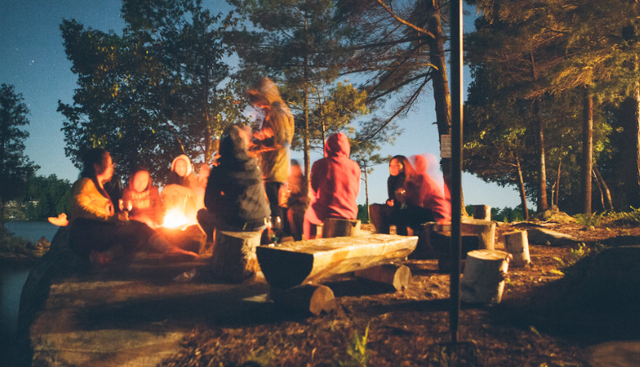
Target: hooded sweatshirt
{"x":146,"y":203}
{"x":335,"y":180}
{"x":189,"y":180}
{"x":431,"y":196}
{"x":235,"y":191}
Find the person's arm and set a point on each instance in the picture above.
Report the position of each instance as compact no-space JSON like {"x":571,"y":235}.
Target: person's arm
{"x":89,"y":203}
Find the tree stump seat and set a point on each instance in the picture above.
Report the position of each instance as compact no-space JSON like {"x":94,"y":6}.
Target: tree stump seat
{"x":340,"y":227}
{"x":435,"y":240}
{"x":234,"y":255}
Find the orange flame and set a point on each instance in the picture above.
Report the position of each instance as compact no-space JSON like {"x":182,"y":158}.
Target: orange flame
{"x":175,"y":218}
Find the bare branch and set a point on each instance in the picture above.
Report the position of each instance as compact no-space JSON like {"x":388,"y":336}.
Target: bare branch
{"x":404,"y":21}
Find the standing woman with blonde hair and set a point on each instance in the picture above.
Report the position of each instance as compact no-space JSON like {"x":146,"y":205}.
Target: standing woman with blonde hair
{"x":273,"y":141}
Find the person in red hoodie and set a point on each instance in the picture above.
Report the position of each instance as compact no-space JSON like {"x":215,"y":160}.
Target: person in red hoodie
{"x":431,"y":196}
{"x":335,"y":184}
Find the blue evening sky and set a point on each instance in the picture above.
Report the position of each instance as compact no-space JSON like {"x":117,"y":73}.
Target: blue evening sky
{"x":33,"y":60}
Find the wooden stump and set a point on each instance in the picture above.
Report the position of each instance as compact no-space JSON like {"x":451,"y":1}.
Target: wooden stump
{"x":305,"y":298}
{"x":397,"y":276}
{"x":484,"y":274}
{"x":484,"y":229}
{"x":234,"y":255}
{"x":482,"y":212}
{"x":337,"y":227}
{"x":517,"y":244}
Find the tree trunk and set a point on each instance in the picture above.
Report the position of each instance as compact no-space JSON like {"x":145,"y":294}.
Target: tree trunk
{"x":599,"y":185}
{"x":587,"y":149}
{"x":557,"y":188}
{"x":630,"y":167}
{"x":542,"y":169}
{"x":523,"y":194}
{"x":441,"y":93}
{"x":307,"y":161}
{"x":366,"y":191}
{"x":605,"y":188}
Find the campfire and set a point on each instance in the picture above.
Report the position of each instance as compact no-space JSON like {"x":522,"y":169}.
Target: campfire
{"x":176,"y":219}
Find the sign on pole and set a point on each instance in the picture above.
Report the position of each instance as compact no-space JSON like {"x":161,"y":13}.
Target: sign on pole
{"x":445,"y":146}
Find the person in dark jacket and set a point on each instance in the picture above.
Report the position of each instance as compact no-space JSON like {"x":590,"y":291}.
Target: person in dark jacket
{"x":383,"y":215}
{"x":235,"y":198}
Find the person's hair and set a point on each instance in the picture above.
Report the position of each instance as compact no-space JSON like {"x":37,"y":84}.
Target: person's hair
{"x":264,"y":92}
{"x":136,"y":169}
{"x":89,"y":159}
{"x":407,"y":168}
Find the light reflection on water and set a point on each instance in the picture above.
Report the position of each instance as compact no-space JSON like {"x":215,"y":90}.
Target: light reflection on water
{"x":13,"y":277}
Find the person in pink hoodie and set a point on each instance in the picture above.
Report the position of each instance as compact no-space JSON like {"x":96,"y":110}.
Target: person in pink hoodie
{"x":335,"y":184}
{"x":431,"y":196}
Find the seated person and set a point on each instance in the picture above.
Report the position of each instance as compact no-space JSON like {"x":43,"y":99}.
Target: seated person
{"x":382,"y":214}
{"x":431,"y":196}
{"x":142,"y":199}
{"x":235,"y":198}
{"x":181,"y":189}
{"x":335,"y":184}
{"x":96,"y":232}
{"x":296,"y":201}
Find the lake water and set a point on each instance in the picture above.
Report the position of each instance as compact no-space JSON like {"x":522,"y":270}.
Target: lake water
{"x":13,"y":277}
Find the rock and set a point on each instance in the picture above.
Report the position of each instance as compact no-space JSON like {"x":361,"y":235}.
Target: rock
{"x":541,"y":236}
{"x":555,"y":215}
{"x":611,"y":278}
{"x":44,"y":243}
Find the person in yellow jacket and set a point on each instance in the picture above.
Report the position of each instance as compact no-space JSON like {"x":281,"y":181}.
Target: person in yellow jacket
{"x":273,"y":141}
{"x":96,"y":229}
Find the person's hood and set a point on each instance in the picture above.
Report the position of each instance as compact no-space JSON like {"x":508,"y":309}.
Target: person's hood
{"x":186,"y":159}
{"x":337,"y":144}
{"x":233,"y":146}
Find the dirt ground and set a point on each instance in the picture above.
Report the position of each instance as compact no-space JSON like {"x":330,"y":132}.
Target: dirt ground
{"x":536,"y":324}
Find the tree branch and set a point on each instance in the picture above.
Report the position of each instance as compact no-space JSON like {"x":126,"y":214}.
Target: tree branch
{"x":404,"y":21}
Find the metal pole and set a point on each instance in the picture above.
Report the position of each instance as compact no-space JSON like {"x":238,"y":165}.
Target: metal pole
{"x":456,"y":162}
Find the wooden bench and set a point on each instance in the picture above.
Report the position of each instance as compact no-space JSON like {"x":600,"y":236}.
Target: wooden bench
{"x":309,"y":261}
{"x":293,"y":269}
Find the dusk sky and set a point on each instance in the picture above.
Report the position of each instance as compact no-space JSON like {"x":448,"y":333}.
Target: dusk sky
{"x":33,"y":60}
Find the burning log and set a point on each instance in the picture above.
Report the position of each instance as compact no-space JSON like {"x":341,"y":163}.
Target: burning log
{"x":301,"y":262}
{"x":191,"y":238}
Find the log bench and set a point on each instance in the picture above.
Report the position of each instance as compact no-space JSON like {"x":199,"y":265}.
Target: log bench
{"x":293,"y":269}
{"x":309,"y":261}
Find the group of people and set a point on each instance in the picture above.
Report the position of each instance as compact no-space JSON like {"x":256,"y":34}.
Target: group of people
{"x":414,"y":197}
{"x":251,"y":186}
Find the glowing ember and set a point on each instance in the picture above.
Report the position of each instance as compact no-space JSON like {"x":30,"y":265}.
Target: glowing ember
{"x":175,"y":218}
